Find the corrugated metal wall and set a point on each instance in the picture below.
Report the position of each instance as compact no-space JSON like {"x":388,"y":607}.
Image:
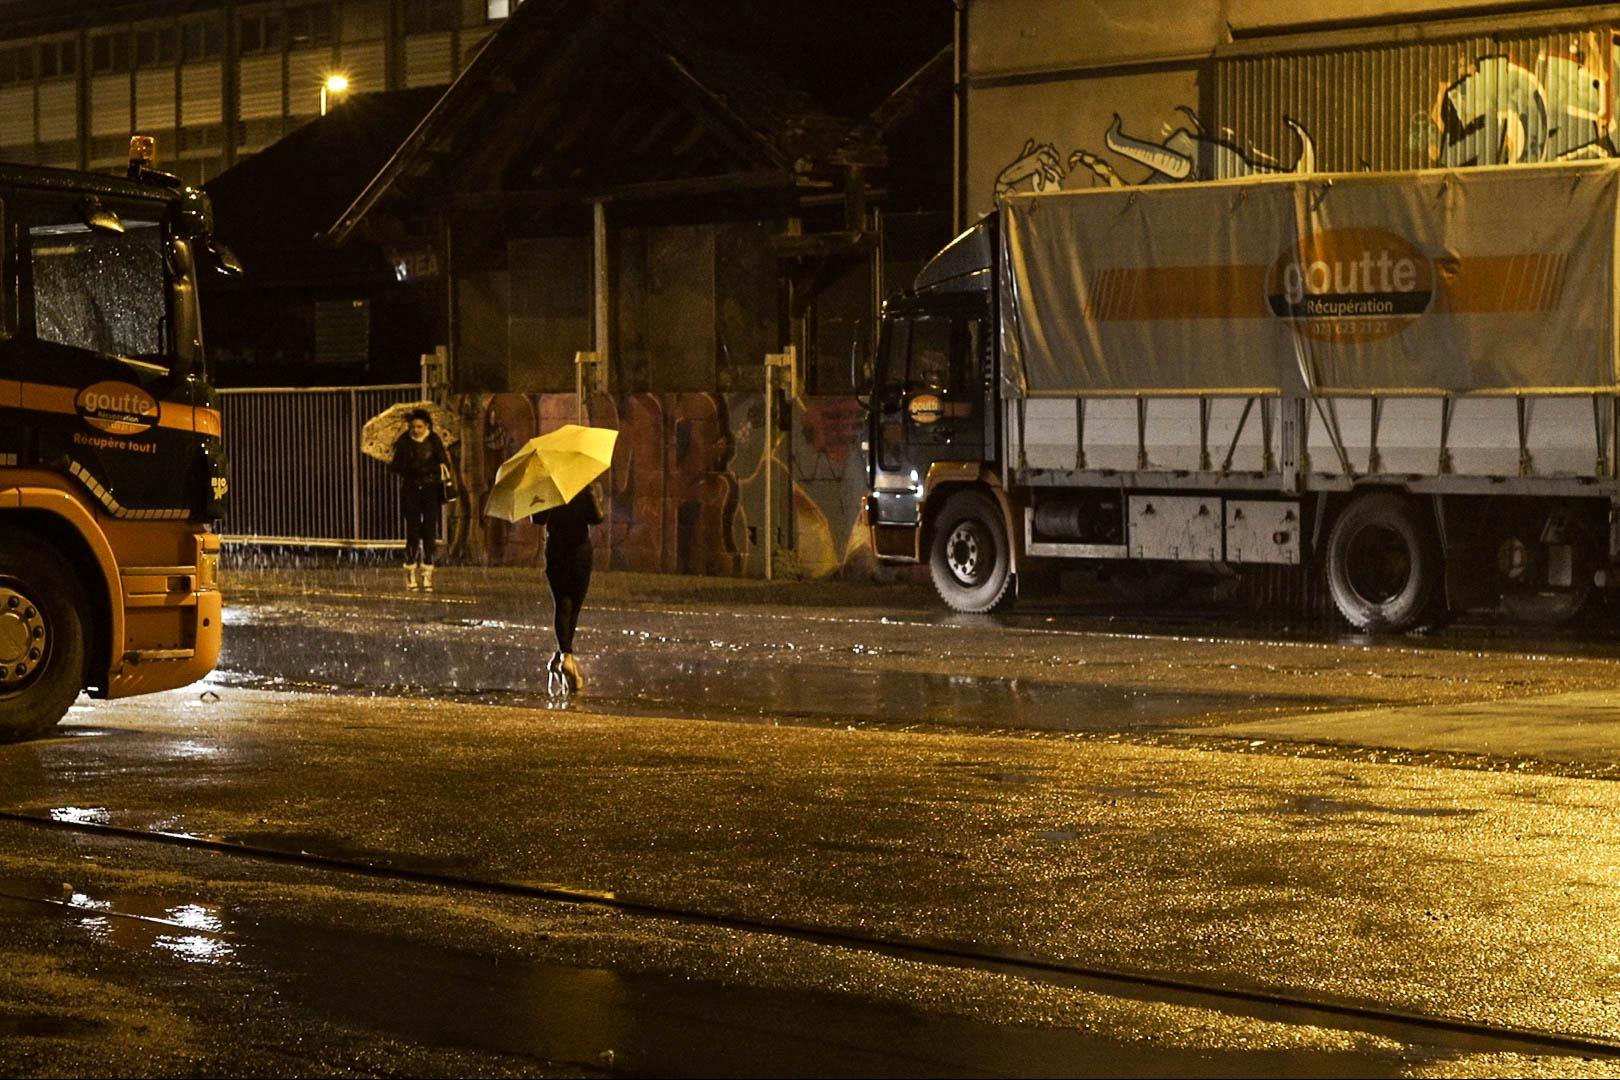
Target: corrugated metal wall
{"x":1382,"y":106}
{"x":296,"y":470}
{"x":429,"y":59}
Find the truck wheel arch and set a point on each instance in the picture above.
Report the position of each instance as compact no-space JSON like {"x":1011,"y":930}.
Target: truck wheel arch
{"x":61,"y":521}
{"x":1331,"y":504}
{"x":1368,"y":598}
{"x":937,"y":493}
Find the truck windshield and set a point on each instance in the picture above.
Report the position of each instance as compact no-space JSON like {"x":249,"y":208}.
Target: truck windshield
{"x":98,"y":291}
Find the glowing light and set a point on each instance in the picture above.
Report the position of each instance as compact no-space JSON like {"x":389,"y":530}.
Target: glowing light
{"x":334,"y":84}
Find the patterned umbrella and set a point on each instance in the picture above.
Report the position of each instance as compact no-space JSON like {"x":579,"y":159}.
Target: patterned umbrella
{"x":382,"y":431}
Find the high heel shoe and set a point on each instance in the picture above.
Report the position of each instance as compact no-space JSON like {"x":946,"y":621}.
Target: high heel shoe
{"x":572,"y":680}
{"x":555,"y":682}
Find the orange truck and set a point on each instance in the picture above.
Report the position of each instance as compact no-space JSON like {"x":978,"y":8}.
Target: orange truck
{"x":112,"y":469}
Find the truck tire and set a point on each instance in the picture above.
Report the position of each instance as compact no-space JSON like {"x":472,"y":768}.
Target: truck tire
{"x":1384,"y":566}
{"x":43,"y":627}
{"x":970,"y":557}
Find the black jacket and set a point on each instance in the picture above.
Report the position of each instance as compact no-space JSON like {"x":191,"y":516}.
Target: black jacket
{"x":569,"y":525}
{"x":417,"y":463}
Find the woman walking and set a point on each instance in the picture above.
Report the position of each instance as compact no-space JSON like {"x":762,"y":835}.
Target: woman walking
{"x":421,"y":464}
{"x":568,"y":572}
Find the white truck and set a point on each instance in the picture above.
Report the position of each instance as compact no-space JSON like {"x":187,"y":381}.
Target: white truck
{"x":1407,"y":382}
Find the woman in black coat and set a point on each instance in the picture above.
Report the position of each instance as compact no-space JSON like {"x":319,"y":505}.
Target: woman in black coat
{"x":568,"y":572}
{"x":421,"y":464}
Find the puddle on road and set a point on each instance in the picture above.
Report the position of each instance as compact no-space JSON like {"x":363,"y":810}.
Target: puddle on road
{"x":1336,"y":806}
{"x":701,"y":687}
{"x":183,"y":929}
{"x":595,"y":1018}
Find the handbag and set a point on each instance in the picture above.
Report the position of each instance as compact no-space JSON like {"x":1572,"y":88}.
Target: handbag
{"x":593,"y":506}
{"x":447,"y":483}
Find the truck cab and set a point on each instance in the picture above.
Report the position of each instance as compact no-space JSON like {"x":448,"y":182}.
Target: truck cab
{"x":112,"y":470}
{"x":934,"y":437}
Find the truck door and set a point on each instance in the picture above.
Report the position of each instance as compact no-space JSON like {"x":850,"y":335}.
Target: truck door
{"x":936,"y":406}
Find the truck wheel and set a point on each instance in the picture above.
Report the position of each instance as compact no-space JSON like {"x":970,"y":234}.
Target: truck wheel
{"x":42,"y":636}
{"x":1383,"y":565}
{"x":971,"y":558}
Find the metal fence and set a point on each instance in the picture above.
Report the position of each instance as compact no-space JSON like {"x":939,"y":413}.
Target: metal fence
{"x":297,"y":475}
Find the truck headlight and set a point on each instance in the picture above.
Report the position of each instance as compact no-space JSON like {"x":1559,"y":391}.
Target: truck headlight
{"x":208,"y":571}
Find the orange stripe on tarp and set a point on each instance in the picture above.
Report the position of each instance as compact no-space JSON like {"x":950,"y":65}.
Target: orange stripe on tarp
{"x":1479,"y":285}
{"x":1502,"y":284}
{"x":1135,"y":294}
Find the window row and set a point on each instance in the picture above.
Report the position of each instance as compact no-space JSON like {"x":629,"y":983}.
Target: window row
{"x":204,"y":39}
{"x":46,"y":60}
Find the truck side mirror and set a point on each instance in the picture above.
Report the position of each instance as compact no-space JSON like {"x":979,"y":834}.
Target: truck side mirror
{"x":98,"y":218}
{"x":224,"y":259}
{"x":860,"y":373}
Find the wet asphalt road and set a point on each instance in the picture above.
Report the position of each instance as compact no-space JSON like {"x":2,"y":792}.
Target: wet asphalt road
{"x":816,"y":830}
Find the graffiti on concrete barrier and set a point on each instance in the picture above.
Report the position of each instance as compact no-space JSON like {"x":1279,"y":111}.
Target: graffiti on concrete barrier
{"x":1186,"y":153}
{"x":675,"y":500}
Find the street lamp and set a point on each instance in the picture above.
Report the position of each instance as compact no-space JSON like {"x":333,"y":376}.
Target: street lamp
{"x":333,"y":86}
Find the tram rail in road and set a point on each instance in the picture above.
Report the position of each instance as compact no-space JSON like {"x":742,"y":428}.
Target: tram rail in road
{"x":1273,"y":1003}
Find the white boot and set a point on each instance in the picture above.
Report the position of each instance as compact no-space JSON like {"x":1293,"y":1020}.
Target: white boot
{"x":410,"y":575}
{"x":427,"y":577}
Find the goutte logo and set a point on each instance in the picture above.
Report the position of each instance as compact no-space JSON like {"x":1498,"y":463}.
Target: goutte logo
{"x":118,"y":408}
{"x":1350,"y":285}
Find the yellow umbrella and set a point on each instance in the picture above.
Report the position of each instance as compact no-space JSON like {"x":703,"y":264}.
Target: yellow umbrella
{"x":550,"y":471}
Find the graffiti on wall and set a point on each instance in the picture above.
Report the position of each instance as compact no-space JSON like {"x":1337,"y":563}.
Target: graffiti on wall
{"x":1184,"y":153}
{"x":675,"y":500}
{"x":1501,"y":112}
{"x":1499,"y":109}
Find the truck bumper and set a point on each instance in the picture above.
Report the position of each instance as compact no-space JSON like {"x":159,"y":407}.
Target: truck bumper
{"x":893,"y":541}
{"x":172,"y":617}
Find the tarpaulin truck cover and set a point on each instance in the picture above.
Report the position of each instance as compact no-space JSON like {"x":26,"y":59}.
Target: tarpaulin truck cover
{"x":1495,"y":280}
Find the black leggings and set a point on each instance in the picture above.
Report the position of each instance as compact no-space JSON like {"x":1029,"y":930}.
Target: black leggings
{"x":421,"y":506}
{"x":569,"y":575}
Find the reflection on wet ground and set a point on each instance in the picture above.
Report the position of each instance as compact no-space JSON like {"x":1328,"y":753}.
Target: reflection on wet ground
{"x":715,"y":682}
{"x":186,"y":930}
{"x":599,"y":1020}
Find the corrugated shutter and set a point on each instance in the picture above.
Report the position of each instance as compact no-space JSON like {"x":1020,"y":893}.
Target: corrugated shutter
{"x":17,"y":116}
{"x":1511,"y":95}
{"x":109,"y":105}
{"x":154,"y":100}
{"x":202,"y":94}
{"x":58,"y":112}
{"x":364,"y":20}
{"x":307,"y":69}
{"x":427,"y":60}
{"x":260,"y":91}
{"x":366,"y":65}
{"x":472,"y":41}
